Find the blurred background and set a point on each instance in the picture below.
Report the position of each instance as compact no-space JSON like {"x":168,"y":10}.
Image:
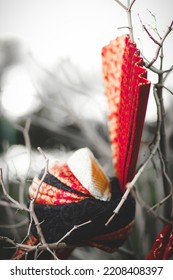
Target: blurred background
{"x":51,"y":86}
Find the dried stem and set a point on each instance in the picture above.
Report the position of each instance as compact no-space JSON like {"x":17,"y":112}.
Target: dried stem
{"x":129,"y":17}
{"x":122,"y":5}
{"x":38,"y":247}
{"x":170,"y":91}
{"x":167,"y":73}
{"x":25,"y":131}
{"x":33,"y":216}
{"x":148,"y":209}
{"x":170,"y":28}
{"x":14,"y":202}
{"x":149,"y":34}
{"x":159,"y":92}
{"x":75,"y":227}
{"x":45,"y":246}
{"x":128,"y":10}
{"x":169,"y":188}
{"x":163,"y":142}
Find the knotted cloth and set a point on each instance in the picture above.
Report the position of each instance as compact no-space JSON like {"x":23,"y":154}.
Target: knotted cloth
{"x":63,"y":202}
{"x":78,"y":191}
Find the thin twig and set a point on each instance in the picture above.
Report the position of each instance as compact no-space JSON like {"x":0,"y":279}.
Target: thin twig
{"x":39,"y":247}
{"x":8,"y":240}
{"x":25,"y":131}
{"x":167,"y":73}
{"x":155,"y":21}
{"x":33,"y":216}
{"x":170,"y":28}
{"x":122,"y":5}
{"x":75,"y":227}
{"x":128,"y":9}
{"x":45,"y":246}
{"x":120,"y":204}
{"x":149,"y":34}
{"x":149,"y":209}
{"x":156,"y":70}
{"x":169,"y":195}
{"x":129,"y":17}
{"x":162,"y":86}
{"x":52,"y":253}
{"x":131,"y":5}
{"x":12,"y":200}
{"x":163,"y":142}
{"x":170,"y":91}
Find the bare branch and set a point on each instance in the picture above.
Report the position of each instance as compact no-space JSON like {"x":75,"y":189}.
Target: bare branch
{"x":167,"y":73}
{"x":8,"y":240}
{"x":148,"y":208}
{"x":59,"y":245}
{"x":131,"y":5}
{"x":170,"y":91}
{"x":162,"y":86}
{"x":155,"y":21}
{"x":9,"y":198}
{"x":25,"y":131}
{"x":38,"y":247}
{"x":75,"y":227}
{"x":156,"y":70}
{"x":52,"y":253}
{"x":167,"y":178}
{"x":170,"y":28}
{"x":149,"y":34}
{"x":122,"y":5}
{"x":31,"y":206}
{"x":163,"y":140}
{"x":129,"y":16}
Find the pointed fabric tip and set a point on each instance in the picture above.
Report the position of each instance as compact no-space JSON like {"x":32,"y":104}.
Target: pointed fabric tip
{"x":127,"y":90}
{"x":87,"y":170}
{"x":82,"y":176}
{"x":52,"y":190}
{"x":163,"y":246}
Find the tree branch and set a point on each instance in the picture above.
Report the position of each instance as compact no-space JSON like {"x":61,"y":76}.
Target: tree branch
{"x":149,"y":34}
{"x":128,"y":9}
{"x":14,"y":202}
{"x":170,"y":28}
{"x":122,"y":5}
{"x":33,"y":216}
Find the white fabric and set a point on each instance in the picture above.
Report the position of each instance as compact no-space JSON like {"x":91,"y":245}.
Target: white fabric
{"x":87,"y":170}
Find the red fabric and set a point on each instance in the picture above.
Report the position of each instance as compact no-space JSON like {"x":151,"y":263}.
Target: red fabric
{"x":53,"y":196}
{"x":63,"y":173}
{"x":127,"y":91}
{"x":31,"y":241}
{"x":163,"y":246}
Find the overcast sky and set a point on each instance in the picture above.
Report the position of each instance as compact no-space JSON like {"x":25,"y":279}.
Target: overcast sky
{"x":76,"y":27}
{"x":79,"y":28}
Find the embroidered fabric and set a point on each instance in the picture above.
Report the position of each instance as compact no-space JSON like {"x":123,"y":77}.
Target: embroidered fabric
{"x":57,"y":220}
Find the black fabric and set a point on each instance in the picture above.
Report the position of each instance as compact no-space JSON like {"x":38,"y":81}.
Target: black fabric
{"x":57,"y":220}
{"x":53,"y":181}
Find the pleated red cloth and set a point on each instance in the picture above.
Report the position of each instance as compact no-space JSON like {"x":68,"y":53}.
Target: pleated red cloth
{"x":127,"y":90}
